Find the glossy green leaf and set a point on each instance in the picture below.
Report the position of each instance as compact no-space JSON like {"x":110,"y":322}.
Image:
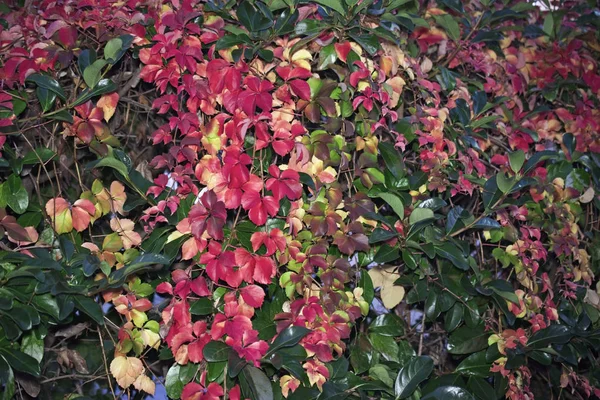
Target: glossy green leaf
{"x":90,"y":307}
{"x":20,"y":361}
{"x":516,"y":159}
{"x":452,"y":253}
{"x":420,"y":214}
{"x":290,"y":336}
{"x":47,"y":82}
{"x":554,"y":334}
{"x":32,"y":344}
{"x":336,"y":5}
{"x":475,"y":365}
{"x":202,"y":306}
{"x":387,"y":325}
{"x":104,"y":86}
{"x":385,"y":345}
{"x":453,"y":317}
{"x":467,"y":340}
{"x":86,"y":58}
{"x":93,"y":73}
{"x":449,"y":393}
{"x":481,"y":389}
{"x":392,"y":159}
{"x":394,"y":202}
{"x":216,"y":351}
{"x":411,"y":375}
{"x":14,"y":194}
{"x":386,"y":254}
{"x":46,"y":98}
{"x":258,"y":383}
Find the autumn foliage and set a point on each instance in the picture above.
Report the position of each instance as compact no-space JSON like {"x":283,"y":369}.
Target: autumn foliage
{"x":292,"y":199}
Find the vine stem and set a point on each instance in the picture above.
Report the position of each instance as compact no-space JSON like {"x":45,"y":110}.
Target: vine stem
{"x":112,"y":390}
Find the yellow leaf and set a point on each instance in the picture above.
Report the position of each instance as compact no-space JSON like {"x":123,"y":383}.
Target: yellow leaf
{"x":126,"y":370}
{"x":144,"y":383}
{"x":384,"y":278}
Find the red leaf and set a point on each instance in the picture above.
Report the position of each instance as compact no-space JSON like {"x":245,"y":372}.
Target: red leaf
{"x":264,"y":270}
{"x":300,"y":89}
{"x":342,"y":50}
{"x":253,"y":295}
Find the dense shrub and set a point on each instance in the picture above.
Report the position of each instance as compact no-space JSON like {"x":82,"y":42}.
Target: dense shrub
{"x":331,"y":199}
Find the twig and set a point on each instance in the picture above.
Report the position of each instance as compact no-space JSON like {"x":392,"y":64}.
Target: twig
{"x":112,"y":390}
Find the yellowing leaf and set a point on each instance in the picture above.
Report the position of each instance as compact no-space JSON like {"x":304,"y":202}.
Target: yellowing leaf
{"x":126,"y":370}
{"x":108,"y":104}
{"x":144,"y":383}
{"x":391,"y":295}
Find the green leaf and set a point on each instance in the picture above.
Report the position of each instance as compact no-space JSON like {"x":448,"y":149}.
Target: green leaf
{"x":33,"y":345}
{"x":7,"y":377}
{"x":174,"y":385}
{"x":216,"y":351}
{"x":46,"y":98}
{"x":258,"y":383}
{"x":453,"y":317}
{"x":235,"y":364}
{"x":327,"y":56}
{"x":420,"y":214}
{"x":62,"y":115}
{"x":47,"y":82}
{"x":491,"y":193}
{"x":481,"y":389}
{"x":452,"y":253}
{"x":34,"y":156}
{"x":466,"y":340}
{"x":537,"y":158}
{"x":549,"y":24}
{"x":449,"y":393}
{"x":93,"y":73}
{"x":228,"y":41}
{"x":381,"y":235}
{"x":486,"y":223}
{"x":102,"y":87}
{"x":20,"y":361}
{"x":14,"y":194}
{"x":475,"y":365}
{"x":479,"y":101}
{"x":117,"y":47}
{"x":435,"y":203}
{"x":334,"y":5}
{"x":387,"y":325}
{"x":504,"y":183}
{"x":86,"y":58}
{"x":516,"y":159}
{"x":448,"y":22}
{"x":413,"y":373}
{"x":386,"y":254}
{"x":202,"y":306}
{"x":251,"y":18}
{"x":90,"y":307}
{"x":367,"y":41}
{"x":392,"y":159}
{"x":112,"y":48}
{"x":287,"y":338}
{"x":554,"y":334}
{"x":394,"y":202}
{"x":385,"y":345}
{"x":366,"y":284}
{"x":110,"y":162}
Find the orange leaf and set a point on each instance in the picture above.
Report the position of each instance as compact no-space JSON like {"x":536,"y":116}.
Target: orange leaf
{"x":108,"y":104}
